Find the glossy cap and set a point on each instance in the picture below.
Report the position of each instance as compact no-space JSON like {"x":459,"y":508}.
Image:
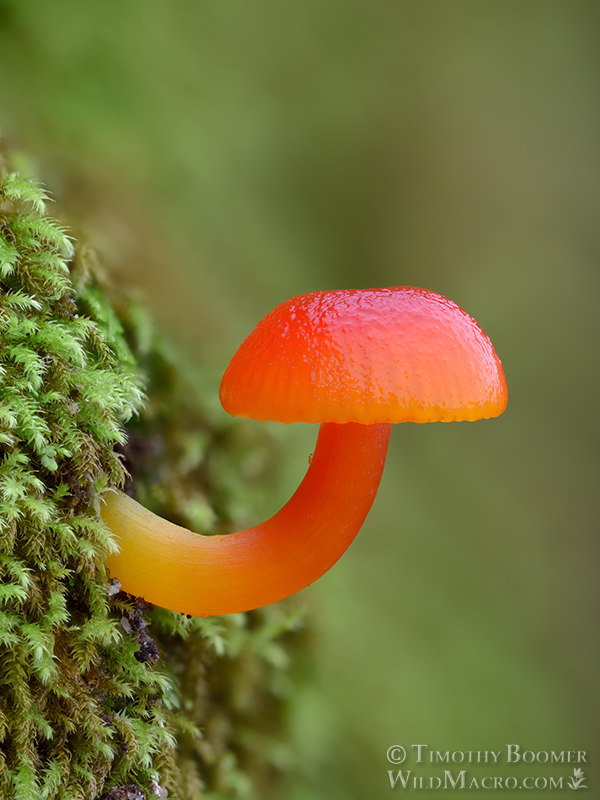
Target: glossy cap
{"x":374,"y":355}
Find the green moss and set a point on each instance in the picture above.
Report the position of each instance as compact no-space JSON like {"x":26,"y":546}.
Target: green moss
{"x":101,"y":695}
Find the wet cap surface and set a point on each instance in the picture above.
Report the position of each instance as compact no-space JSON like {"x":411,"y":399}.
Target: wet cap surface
{"x":374,"y":355}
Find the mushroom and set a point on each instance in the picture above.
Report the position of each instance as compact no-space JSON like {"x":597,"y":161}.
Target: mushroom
{"x":355,"y":362}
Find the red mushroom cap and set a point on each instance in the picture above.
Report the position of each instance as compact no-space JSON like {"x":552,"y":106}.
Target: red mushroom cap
{"x":368,"y":356}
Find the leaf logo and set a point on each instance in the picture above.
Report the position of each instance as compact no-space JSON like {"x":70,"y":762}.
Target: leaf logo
{"x":577,"y":780}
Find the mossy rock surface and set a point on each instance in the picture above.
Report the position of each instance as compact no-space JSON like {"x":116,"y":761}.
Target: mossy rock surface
{"x":102,"y":695}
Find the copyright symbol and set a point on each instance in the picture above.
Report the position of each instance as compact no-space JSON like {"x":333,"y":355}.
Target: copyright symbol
{"x":396,"y":754}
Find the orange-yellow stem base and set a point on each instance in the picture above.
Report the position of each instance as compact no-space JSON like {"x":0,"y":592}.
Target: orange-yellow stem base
{"x":207,"y":575}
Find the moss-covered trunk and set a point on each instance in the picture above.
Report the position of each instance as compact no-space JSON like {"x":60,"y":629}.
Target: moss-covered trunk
{"x":102,"y":695}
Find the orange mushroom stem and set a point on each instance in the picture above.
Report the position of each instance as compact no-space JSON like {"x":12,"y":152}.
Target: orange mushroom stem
{"x":354,"y":361}
{"x":206,"y":575}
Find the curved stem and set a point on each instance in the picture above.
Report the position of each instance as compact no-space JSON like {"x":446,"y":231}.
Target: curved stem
{"x":205,"y":575}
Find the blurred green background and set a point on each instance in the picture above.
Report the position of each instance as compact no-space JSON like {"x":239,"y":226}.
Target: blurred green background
{"x":228,"y":155}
